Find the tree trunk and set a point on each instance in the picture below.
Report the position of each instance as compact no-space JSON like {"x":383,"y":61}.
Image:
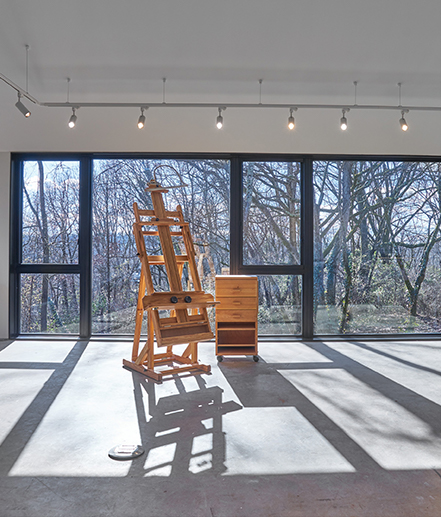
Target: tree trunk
{"x":45,"y":244}
{"x":107,"y":251}
{"x":294,"y":229}
{"x":319,"y":274}
{"x":331,"y":279}
{"x":365,"y":265}
{"x":296,"y":291}
{"x":345,"y":213}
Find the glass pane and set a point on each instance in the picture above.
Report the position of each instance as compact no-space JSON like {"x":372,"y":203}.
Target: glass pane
{"x":280,"y":305}
{"x":205,"y":203}
{"x":271,"y":213}
{"x":50,"y":304}
{"x":50,"y":212}
{"x":377,"y":247}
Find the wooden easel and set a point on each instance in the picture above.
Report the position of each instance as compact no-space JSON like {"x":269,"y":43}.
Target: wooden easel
{"x":188,"y":319}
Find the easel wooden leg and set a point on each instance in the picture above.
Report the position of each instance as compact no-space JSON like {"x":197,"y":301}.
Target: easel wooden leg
{"x":139,"y":317}
{"x":191,"y":352}
{"x":194,"y":352}
{"x":146,"y":355}
{"x":150,"y":341}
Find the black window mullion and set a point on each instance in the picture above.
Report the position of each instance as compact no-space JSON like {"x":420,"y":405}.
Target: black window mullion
{"x":271,"y":270}
{"x":16,"y":210}
{"x":48,"y":269}
{"x":85,"y":246}
{"x":236,"y":216}
{"x":307,"y":248}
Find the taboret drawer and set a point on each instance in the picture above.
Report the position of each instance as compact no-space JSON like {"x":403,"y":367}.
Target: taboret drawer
{"x":240,"y":303}
{"x":235,"y":315}
{"x":236,"y":286}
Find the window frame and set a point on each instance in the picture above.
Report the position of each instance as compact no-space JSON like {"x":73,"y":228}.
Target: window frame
{"x":304,"y":269}
{"x":84,"y":266}
{"x":81,"y":268}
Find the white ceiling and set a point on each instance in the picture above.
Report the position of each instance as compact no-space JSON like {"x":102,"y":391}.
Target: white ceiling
{"x":306,"y":51}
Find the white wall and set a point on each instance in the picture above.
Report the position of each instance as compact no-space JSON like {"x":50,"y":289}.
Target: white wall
{"x":4,"y":240}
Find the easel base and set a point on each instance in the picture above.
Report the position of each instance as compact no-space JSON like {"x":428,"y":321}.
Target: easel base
{"x":158,"y":375}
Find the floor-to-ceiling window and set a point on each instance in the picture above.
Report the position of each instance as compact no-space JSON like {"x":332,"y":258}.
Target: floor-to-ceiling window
{"x":340,"y":246}
{"x":269,"y":240}
{"x":49,"y":285}
{"x":377,"y":247}
{"x":203,"y":193}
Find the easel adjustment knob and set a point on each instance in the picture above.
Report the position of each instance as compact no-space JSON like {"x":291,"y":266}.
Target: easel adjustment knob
{"x":187,"y":299}
{"x":174,"y":299}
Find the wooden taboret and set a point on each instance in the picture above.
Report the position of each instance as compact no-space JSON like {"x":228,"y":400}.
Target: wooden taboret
{"x":236,"y":316}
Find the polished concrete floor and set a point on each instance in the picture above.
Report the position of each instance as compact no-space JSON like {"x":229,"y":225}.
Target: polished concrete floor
{"x":315,"y":429}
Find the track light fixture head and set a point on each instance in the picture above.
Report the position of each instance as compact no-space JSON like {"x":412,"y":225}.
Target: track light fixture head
{"x":73,"y":119}
{"x":141,"y":119}
{"x":344,"y":120}
{"x":403,"y":123}
{"x":220,"y":119}
{"x":291,"y":121}
{"x":21,"y":107}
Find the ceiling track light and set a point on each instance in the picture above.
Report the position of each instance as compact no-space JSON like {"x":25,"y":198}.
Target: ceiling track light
{"x":21,"y":107}
{"x":291,"y":121}
{"x":22,"y":93}
{"x":404,"y":125}
{"x":220,"y":119}
{"x":73,"y":119}
{"x":344,"y":120}
{"x":141,"y":119}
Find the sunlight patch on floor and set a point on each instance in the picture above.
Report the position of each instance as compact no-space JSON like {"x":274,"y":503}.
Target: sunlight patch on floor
{"x":19,"y":388}
{"x":393,"y":436}
{"x":280,"y":440}
{"x":294,"y":352}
